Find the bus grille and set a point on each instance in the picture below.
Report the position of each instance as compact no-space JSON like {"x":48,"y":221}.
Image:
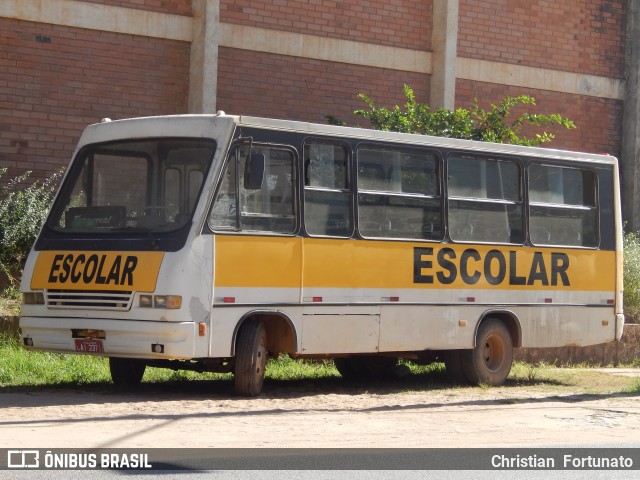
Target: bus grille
{"x":92,"y":300}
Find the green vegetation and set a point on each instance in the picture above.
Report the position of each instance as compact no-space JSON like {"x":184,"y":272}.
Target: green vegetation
{"x":23,"y":207}
{"x":473,"y":123}
{"x":21,"y":368}
{"x":632,"y":276}
{"x":286,"y":368}
{"x":9,"y":303}
{"x":633,"y":388}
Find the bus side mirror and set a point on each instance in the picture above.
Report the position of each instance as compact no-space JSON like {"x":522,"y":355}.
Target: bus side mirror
{"x":254,"y":173}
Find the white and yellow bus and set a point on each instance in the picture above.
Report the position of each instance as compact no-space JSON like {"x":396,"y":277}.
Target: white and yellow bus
{"x":210,"y":242}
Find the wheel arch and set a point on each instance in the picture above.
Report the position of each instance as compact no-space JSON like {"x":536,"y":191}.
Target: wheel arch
{"x":281,"y":332}
{"x":509,"y":319}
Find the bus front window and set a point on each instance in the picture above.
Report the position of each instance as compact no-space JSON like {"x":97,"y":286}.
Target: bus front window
{"x":143,"y":185}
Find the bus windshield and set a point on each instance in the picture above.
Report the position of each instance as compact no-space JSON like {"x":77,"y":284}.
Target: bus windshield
{"x":145,"y":185}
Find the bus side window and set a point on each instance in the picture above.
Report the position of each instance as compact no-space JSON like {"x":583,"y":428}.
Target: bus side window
{"x":485,"y":199}
{"x":327,"y":196}
{"x":398,"y":194}
{"x":562,"y":206}
{"x":267,"y":207}
{"x":223,"y":215}
{"x":271,"y":207}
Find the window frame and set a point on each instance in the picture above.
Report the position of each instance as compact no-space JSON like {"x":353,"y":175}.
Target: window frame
{"x":438,"y":196}
{"x":348,"y":191}
{"x":233,"y":156}
{"x":488,"y":157}
{"x":563,"y":206}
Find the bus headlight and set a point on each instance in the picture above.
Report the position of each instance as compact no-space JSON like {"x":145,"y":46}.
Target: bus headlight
{"x":33,"y":298}
{"x":169,"y":302}
{"x":146,"y":301}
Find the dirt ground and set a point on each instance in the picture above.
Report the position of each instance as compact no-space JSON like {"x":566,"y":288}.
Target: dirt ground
{"x":304,"y":414}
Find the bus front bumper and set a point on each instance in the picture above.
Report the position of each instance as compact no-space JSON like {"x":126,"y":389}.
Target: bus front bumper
{"x":113,"y":338}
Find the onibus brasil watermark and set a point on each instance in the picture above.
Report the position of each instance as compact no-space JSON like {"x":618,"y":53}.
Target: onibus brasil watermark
{"x":555,"y":458}
{"x":35,"y":459}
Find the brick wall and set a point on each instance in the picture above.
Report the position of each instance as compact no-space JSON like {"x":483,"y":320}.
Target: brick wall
{"x":581,"y":37}
{"x":50,"y":91}
{"x":277,"y":86}
{"x":399,"y":23}
{"x":598,"y":120}
{"x":578,"y":37}
{"x":52,"y":88}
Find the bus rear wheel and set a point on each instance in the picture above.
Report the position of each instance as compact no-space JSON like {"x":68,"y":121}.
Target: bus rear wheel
{"x":490,"y":361}
{"x":251,"y":359}
{"x":126,"y":372}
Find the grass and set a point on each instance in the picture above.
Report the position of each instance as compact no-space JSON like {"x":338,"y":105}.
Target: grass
{"x":21,"y":368}
{"x":633,"y":388}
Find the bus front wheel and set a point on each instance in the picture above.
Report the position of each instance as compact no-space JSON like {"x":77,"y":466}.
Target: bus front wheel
{"x":490,"y":361}
{"x":251,"y":359}
{"x":126,"y":372}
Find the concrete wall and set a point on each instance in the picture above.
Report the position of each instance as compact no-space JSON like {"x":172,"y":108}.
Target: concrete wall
{"x":396,"y":23}
{"x":614,"y":353}
{"x":177,"y":7}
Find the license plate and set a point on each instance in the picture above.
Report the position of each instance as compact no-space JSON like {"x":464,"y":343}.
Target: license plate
{"x":89,"y":346}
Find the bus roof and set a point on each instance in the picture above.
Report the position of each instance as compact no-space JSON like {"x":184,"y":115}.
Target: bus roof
{"x":421,"y":140}
{"x":203,"y":125}
{"x":193,"y":126}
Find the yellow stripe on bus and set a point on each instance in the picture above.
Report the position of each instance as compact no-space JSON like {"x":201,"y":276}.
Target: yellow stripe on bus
{"x":253,"y":261}
{"x":242,"y":260}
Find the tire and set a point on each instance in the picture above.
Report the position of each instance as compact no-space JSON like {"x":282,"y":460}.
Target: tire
{"x":126,"y":372}
{"x":251,"y":359}
{"x":490,"y":361}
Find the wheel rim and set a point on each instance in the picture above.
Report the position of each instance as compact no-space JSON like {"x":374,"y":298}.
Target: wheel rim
{"x":493,"y":353}
{"x":261,"y":357}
